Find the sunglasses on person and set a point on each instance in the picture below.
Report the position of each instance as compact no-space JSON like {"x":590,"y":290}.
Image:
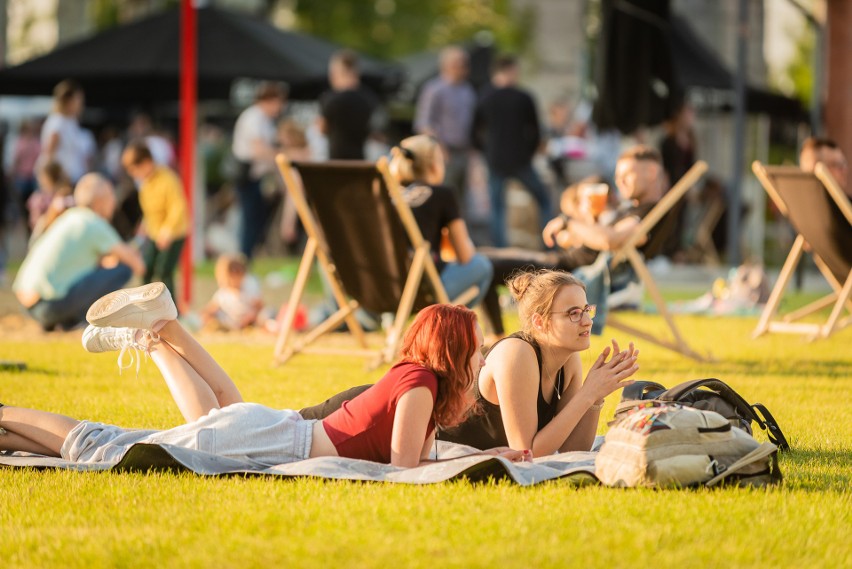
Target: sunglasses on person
{"x":576,"y":314}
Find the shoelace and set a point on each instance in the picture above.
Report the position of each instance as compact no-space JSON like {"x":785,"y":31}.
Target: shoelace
{"x":128,"y":342}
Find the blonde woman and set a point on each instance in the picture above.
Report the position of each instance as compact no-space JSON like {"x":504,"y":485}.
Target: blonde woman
{"x":418,"y":164}
{"x":531,"y":392}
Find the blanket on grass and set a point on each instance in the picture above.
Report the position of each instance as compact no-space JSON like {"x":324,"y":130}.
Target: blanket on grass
{"x":577,"y":467}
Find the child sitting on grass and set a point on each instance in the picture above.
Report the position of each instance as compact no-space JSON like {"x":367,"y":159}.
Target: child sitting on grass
{"x":238,"y":302}
{"x":52,"y":197}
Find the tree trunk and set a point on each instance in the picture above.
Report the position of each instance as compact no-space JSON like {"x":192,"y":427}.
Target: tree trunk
{"x":838,"y":108}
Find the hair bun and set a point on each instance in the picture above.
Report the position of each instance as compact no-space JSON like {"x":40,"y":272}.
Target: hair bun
{"x":519,"y":282}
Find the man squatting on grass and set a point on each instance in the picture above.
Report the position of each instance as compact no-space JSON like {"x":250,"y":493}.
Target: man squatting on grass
{"x":392,"y":422}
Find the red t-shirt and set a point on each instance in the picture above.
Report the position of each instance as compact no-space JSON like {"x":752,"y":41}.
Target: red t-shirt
{"x":363,"y":427}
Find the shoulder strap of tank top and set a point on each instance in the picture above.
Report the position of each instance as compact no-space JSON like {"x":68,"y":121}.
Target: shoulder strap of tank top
{"x":526,"y":338}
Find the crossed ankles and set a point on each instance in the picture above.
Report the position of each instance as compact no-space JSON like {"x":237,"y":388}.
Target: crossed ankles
{"x":147,"y":307}
{"x":128,"y":321}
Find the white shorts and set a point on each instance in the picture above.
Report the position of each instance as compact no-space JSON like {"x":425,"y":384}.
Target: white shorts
{"x":243,"y":431}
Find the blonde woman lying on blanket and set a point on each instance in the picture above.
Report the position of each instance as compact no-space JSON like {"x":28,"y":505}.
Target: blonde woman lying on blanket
{"x":531,"y":394}
{"x":393,"y":422}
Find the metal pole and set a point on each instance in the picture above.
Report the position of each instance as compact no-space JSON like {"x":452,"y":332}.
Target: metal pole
{"x":735,"y":187}
{"x":188,"y":92}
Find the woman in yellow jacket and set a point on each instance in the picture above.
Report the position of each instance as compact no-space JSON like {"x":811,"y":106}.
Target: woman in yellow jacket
{"x":165,"y":215}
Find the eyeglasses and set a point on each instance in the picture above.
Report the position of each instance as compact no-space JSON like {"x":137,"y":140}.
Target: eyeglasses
{"x":576,"y":314}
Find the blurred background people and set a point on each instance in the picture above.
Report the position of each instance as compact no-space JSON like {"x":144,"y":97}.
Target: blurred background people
{"x":294,"y":143}
{"x":418,"y":165}
{"x":53,"y":196}
{"x":821,"y":149}
{"x":165,"y":215}
{"x":142,"y":128}
{"x":24,"y":157}
{"x":678,"y":150}
{"x":237,"y":302}
{"x":506,"y":129}
{"x":78,"y":259}
{"x":62,"y":139}
{"x":445,"y":110}
{"x":346,"y":111}
{"x":254,"y":146}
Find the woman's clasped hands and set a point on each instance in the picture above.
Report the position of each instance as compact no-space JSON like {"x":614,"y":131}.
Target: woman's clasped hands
{"x":606,"y":376}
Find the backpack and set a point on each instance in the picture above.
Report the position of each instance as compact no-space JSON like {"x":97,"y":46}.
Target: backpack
{"x":668,"y":445}
{"x":707,"y":394}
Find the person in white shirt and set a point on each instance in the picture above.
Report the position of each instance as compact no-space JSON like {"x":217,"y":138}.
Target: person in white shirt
{"x":62,"y":139}
{"x":254,"y":148}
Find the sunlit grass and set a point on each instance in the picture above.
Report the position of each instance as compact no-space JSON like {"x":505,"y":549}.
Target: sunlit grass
{"x":67,"y":519}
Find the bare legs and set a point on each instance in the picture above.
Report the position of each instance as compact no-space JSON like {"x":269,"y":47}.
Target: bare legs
{"x":197,"y":383}
{"x":35,"y":431}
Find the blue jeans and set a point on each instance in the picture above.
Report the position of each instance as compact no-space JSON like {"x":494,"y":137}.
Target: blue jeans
{"x":253,"y":213}
{"x":457,"y":278}
{"x":497,"y":191}
{"x":70,"y":311}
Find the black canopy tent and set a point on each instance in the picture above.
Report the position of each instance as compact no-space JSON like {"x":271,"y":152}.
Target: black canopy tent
{"x":649,"y":59}
{"x":138,"y":63}
{"x":698,"y":67}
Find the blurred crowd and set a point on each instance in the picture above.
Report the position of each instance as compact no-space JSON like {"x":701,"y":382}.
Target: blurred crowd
{"x":478,"y":144}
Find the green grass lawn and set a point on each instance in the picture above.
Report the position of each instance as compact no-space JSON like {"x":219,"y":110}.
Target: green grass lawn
{"x":67,"y":519}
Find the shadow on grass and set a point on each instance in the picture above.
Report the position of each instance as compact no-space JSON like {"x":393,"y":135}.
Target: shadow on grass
{"x":30,"y":370}
{"x":816,"y":470}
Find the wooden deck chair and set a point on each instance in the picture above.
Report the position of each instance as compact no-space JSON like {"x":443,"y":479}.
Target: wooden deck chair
{"x":821,"y":215}
{"x":630,"y":253}
{"x":365,"y":240}
{"x":703,"y":246}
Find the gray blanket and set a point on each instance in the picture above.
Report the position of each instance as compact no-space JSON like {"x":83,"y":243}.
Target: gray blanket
{"x":578,"y":467}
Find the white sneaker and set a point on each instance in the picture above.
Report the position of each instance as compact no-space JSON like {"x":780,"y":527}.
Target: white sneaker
{"x":140,"y":307}
{"x":97,"y":339}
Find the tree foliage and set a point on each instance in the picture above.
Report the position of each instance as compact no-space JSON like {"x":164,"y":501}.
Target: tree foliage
{"x":391,"y":28}
{"x":797,"y":77}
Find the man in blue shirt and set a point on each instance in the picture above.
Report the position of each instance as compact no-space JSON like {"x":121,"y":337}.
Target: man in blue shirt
{"x":445,"y":110}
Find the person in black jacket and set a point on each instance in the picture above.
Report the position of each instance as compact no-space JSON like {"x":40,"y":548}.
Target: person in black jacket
{"x":346,"y":112}
{"x":506,"y":129}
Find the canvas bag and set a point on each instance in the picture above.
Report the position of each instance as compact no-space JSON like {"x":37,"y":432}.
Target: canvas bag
{"x":708,"y":394}
{"x":667,"y":445}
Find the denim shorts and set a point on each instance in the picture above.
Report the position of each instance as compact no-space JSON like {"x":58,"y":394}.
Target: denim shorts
{"x":242,"y":431}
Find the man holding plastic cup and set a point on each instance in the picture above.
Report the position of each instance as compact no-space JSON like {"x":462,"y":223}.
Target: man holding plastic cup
{"x":581,"y":233}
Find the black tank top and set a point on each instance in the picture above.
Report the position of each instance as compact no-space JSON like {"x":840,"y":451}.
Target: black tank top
{"x":484,"y":429}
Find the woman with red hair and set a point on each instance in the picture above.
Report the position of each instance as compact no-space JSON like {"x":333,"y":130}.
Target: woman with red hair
{"x":392,"y":422}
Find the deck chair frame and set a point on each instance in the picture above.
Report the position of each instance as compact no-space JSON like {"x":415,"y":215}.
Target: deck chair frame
{"x":317,"y":248}
{"x":840,"y":299}
{"x":630,"y":253}
{"x":703,"y":247}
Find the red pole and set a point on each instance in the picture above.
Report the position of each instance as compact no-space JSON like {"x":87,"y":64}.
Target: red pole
{"x":188,"y":88}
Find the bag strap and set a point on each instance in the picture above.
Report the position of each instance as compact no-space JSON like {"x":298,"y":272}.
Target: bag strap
{"x":639,"y":390}
{"x":760,"y":453}
{"x":773,"y":431}
{"x":721,"y":388}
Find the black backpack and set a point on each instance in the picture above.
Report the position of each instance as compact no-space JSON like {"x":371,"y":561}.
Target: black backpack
{"x":706,"y":394}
